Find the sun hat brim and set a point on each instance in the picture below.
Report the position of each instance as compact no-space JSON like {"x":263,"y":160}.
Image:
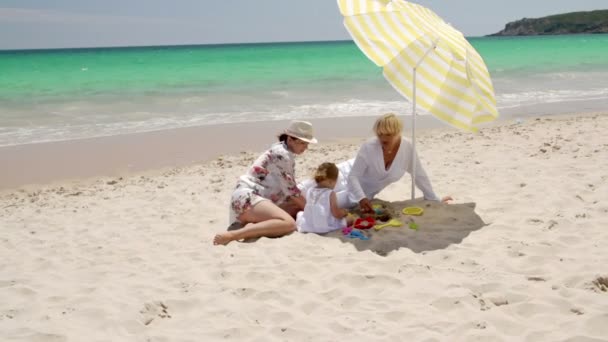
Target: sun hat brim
{"x":310,"y":141}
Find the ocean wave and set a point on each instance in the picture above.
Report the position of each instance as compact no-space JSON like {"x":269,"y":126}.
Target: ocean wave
{"x":28,"y":133}
{"x":512,"y":100}
{"x":81,"y":120}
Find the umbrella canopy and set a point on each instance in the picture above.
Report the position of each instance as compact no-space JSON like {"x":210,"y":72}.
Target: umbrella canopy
{"x":423,"y":58}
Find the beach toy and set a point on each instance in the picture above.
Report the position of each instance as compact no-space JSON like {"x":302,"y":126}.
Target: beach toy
{"x":414,"y":211}
{"x":353,"y":233}
{"x":391,"y":223}
{"x":381,"y":213}
{"x":378,"y":209}
{"x":364,"y":223}
{"x":356,"y":234}
{"x":413,"y":225}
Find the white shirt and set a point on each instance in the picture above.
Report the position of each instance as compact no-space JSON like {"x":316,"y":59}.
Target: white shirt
{"x":368,"y":176}
{"x":365,"y":176}
{"x":317,"y":216}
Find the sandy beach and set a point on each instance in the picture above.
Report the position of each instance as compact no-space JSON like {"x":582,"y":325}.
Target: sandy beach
{"x":126,"y":254}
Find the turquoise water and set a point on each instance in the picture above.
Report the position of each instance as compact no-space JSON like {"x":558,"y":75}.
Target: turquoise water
{"x":542,"y":54}
{"x":50,"y":95}
{"x":93,"y":72}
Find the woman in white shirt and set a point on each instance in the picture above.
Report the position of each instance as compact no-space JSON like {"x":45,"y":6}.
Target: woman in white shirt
{"x":381,"y":160}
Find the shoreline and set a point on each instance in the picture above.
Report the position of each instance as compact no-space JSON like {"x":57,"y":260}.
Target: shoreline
{"x":123,"y":155}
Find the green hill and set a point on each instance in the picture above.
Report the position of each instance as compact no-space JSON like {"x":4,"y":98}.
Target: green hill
{"x":567,"y":23}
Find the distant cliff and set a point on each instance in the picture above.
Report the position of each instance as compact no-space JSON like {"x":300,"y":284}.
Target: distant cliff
{"x":568,"y":23}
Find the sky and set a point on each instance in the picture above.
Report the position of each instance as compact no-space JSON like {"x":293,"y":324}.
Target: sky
{"x":39,"y":24}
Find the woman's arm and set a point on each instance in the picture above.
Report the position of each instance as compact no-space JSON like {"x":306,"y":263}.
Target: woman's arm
{"x":335,"y":210}
{"x":285,"y":166}
{"x":422,"y":181}
{"x":354,"y":185}
{"x":356,"y":172}
{"x":298,"y":201}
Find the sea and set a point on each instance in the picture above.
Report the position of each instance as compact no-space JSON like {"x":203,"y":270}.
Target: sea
{"x":65,"y":94}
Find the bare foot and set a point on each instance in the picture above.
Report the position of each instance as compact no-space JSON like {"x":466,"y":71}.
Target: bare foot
{"x":223,"y":238}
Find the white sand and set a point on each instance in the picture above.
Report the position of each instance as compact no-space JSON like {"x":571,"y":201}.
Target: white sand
{"x":520,"y":255}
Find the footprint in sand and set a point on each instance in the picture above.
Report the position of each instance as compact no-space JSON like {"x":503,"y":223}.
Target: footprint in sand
{"x":540,"y":279}
{"x":600,"y":284}
{"x":154,"y":310}
{"x":577,"y":311}
{"x":551,"y":224}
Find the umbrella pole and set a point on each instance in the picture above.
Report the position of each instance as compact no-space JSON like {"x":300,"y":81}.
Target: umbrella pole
{"x":414,"y":117}
{"x":414,"y":137}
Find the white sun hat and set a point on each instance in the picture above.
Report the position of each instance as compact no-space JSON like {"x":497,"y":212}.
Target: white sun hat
{"x":301,"y":130}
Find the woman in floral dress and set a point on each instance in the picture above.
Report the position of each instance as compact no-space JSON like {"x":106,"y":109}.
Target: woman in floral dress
{"x":267,"y":197}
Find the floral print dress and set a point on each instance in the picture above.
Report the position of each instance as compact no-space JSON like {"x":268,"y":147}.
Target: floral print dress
{"x":271,"y":177}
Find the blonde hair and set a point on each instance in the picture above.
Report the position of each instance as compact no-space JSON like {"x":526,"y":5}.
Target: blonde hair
{"x":388,"y":124}
{"x":326,"y":171}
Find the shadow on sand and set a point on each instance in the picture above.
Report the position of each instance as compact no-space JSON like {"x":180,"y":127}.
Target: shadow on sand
{"x":440,"y":226}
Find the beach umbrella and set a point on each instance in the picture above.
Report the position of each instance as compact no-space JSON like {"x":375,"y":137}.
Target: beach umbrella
{"x":425,"y":59}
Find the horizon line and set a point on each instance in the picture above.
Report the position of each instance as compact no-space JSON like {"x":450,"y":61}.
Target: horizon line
{"x":173,"y":45}
{"x":183,"y":45}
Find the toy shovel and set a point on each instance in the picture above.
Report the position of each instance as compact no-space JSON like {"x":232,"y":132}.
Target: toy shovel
{"x":391,"y":223}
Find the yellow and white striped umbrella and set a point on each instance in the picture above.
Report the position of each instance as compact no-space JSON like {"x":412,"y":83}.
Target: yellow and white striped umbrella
{"x":423,"y":58}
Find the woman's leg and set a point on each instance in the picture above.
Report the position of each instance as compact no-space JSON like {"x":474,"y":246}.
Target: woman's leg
{"x":263,"y":219}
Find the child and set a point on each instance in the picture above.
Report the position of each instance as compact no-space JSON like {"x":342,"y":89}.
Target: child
{"x":321,"y":213}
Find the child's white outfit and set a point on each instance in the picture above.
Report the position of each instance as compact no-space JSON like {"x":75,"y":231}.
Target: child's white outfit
{"x":317,"y":216}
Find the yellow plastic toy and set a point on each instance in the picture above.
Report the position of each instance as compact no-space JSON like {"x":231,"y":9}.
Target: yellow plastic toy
{"x":391,"y":223}
{"x":414,"y":211}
